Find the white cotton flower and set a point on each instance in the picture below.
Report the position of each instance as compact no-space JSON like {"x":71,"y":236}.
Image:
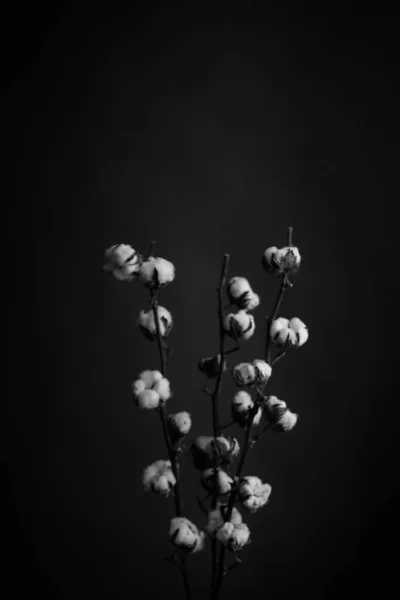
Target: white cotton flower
{"x":278,"y":415}
{"x":216,"y":479}
{"x":157,"y":272}
{"x":263,"y":371}
{"x":241,"y":406}
{"x":122,"y":261}
{"x":216,"y":518}
{"x":147,"y":399}
{"x":159,"y":478}
{"x":147,"y":323}
{"x":244,"y":374}
{"x":180,"y":423}
{"x":240,"y":293}
{"x":289,"y":333}
{"x":281,"y":260}
{"x":184,"y":534}
{"x":241,"y":325}
{"x":233,"y":537}
{"x":150,"y":389}
{"x":210,"y":365}
{"x":254,"y":494}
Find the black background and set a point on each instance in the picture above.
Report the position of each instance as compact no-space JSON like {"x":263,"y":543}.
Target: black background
{"x":209,"y":131}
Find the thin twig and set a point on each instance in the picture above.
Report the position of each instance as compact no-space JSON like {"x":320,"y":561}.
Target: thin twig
{"x":172,"y":455}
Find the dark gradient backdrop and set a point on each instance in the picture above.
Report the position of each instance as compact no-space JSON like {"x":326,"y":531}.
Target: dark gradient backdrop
{"x":209,"y":132}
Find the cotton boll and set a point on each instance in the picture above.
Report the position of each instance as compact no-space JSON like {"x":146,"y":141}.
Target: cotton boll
{"x":274,"y":409}
{"x":296,"y":324}
{"x":147,"y":323}
{"x":237,"y":287}
{"x":157,"y":272}
{"x":240,"y":537}
{"x":252,"y":301}
{"x":218,"y":480}
{"x":148,"y":399}
{"x":162,"y":387}
{"x":241,"y":325}
{"x":122,"y":261}
{"x":277,"y":325}
{"x":286,"y":337}
{"x":153,"y":471}
{"x":286,"y":422}
{"x":180,"y":423}
{"x":267,"y":259}
{"x":163,"y":485}
{"x":224,"y":533}
{"x":263,"y":371}
{"x":184,"y":534}
{"x":288,"y":259}
{"x":244,"y":374}
{"x":242,"y":403}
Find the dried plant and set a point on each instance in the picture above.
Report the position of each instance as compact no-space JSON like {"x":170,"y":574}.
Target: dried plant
{"x":214,"y":455}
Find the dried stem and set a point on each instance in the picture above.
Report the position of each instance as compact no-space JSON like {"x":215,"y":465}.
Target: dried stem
{"x":215,"y":397}
{"x":172,"y":454}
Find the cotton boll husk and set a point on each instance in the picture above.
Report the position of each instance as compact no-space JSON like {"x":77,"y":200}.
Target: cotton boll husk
{"x":211,"y":365}
{"x":148,"y":399}
{"x":248,"y":333}
{"x":162,"y":387}
{"x":288,"y":257}
{"x":274,"y":409}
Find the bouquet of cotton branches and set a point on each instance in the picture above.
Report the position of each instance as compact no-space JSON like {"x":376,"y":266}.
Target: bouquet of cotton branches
{"x":214,"y":454}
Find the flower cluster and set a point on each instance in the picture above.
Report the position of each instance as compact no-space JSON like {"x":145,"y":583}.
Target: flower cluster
{"x":280,"y":261}
{"x":185,"y":535}
{"x":251,"y":374}
{"x":289,"y":332}
{"x":241,"y":406}
{"x":150,"y":390}
{"x":253,"y":493}
{"x":278,"y":416}
{"x":159,"y":478}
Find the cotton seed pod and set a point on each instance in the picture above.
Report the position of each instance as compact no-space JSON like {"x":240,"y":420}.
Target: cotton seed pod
{"x":184,"y":534}
{"x":263,"y":371}
{"x":278,"y":415}
{"x":210,"y":365}
{"x":234,"y":537}
{"x":159,"y":478}
{"x":216,"y":518}
{"x":240,"y":408}
{"x":244,"y":375}
{"x":150,"y":389}
{"x":179,"y":425}
{"x":253,"y":493}
{"x":156,"y":272}
{"x":241,"y":325}
{"x":206,"y":451}
{"x":241,"y":295}
{"x":281,"y":260}
{"x":289,"y":333}
{"x":122,"y":261}
{"x":218,"y":480}
{"x":147,"y":323}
